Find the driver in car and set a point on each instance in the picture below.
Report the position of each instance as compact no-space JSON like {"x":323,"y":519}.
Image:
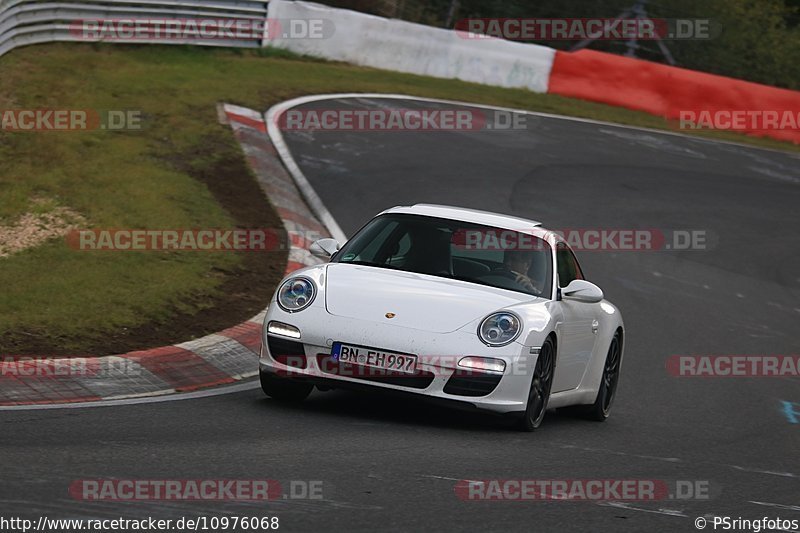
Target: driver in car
{"x":517,"y":264}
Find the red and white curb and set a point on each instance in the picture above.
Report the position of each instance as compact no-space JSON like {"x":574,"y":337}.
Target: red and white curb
{"x":225,"y":357}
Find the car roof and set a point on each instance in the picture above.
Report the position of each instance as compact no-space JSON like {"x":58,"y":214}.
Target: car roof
{"x":464,"y":214}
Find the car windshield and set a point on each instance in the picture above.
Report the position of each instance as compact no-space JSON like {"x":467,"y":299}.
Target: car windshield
{"x":453,"y":249}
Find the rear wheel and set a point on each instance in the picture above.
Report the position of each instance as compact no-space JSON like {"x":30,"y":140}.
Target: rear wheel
{"x":601,"y":407}
{"x":540,"y":387}
{"x":284,"y":389}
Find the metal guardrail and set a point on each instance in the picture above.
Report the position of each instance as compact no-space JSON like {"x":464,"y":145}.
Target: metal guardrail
{"x":24,"y":22}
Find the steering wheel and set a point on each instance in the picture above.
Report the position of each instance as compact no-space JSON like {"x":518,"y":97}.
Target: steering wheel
{"x":504,"y":272}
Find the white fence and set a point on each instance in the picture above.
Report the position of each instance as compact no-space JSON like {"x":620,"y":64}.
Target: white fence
{"x":353,"y":37}
{"x":392,"y":44}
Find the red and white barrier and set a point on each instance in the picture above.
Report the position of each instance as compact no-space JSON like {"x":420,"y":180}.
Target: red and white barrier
{"x":671,"y":92}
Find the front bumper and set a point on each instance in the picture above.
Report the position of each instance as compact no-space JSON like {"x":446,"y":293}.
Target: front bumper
{"x":438,"y":375}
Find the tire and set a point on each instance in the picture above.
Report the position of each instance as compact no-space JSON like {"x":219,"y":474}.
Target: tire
{"x":284,"y":389}
{"x":541,"y":383}
{"x":601,"y":408}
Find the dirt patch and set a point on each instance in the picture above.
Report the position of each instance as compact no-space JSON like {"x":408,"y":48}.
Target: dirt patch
{"x":35,"y":228}
{"x":246,"y":289}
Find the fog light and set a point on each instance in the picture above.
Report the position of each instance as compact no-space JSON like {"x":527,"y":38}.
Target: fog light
{"x":484,"y":364}
{"x":284,"y":330}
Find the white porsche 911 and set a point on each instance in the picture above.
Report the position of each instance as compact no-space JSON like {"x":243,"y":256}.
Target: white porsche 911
{"x":477,"y":309}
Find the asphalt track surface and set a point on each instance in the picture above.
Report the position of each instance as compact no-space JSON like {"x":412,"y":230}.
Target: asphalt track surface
{"x":392,"y":464}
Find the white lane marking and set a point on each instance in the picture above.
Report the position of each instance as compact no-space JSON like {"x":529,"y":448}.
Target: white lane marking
{"x":656,"y":143}
{"x":452,"y":478}
{"x":677,"y":460}
{"x":680,"y":280}
{"x":770,"y":472}
{"x":152,"y":394}
{"x":778,"y":505}
{"x":773,"y":174}
{"x":629,"y":507}
{"x":306,"y":190}
{"x":228,"y":389}
{"x":394,"y":96}
{"x":617,"y":452}
{"x":319,"y":505}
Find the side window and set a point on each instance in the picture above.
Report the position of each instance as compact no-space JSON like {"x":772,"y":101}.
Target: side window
{"x":568,"y":267}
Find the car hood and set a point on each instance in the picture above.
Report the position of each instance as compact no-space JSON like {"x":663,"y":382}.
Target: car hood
{"x":418,"y":301}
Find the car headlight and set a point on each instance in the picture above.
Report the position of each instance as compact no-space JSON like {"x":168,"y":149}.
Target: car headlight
{"x":284,"y":330}
{"x":296,"y":294}
{"x":499,"y":329}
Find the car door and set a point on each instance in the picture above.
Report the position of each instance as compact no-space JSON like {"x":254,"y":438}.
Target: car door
{"x":577,"y":330}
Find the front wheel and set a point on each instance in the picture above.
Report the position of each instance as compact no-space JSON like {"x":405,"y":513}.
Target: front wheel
{"x":284,"y":389}
{"x":541,"y":383}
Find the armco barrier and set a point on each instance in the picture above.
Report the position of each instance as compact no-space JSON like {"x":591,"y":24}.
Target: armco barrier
{"x":665,"y":91}
{"x":407,"y":47}
{"x":24,"y":22}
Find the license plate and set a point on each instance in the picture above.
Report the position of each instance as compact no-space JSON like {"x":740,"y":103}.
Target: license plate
{"x":372,"y":357}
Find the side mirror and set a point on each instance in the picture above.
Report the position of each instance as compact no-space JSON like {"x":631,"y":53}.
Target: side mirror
{"x":324,"y":248}
{"x":581,"y":290}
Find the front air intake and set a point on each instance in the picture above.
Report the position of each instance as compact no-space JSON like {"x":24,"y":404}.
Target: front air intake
{"x":286,"y":352}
